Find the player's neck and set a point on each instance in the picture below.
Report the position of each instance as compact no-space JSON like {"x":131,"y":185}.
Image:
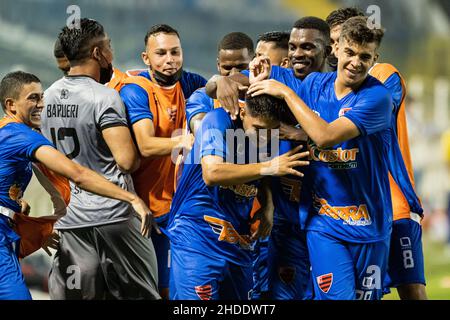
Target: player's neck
{"x":85,"y":70}
{"x":341,"y":88}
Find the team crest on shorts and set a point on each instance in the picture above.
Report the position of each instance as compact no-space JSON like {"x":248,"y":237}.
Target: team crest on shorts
{"x":325,"y":281}
{"x":204,"y":292}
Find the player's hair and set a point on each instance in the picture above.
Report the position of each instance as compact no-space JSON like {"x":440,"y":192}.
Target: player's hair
{"x":77,"y":42}
{"x":314,"y":23}
{"x":341,"y":15}
{"x":160,"y":28}
{"x":265,"y":106}
{"x":279,"y":38}
{"x":12,"y":84}
{"x":236,"y":41}
{"x":57,"y":50}
{"x":356,"y":30}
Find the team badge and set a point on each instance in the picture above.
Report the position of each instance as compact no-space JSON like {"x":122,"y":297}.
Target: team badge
{"x":204,"y":292}
{"x":325,"y":281}
{"x":64,"y":94}
{"x":344,"y":111}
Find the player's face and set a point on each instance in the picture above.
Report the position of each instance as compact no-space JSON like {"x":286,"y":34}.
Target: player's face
{"x":233,"y":61}
{"x":163,"y":53}
{"x":307,"y":51}
{"x":257,"y":126}
{"x":277,"y":56}
{"x":28,"y":106}
{"x":354,"y":61}
{"x":335,"y":33}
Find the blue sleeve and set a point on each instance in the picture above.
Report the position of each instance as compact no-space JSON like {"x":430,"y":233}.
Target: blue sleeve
{"x":372,"y":111}
{"x":135,"y":99}
{"x":198,"y":102}
{"x":213,"y":135}
{"x":28,"y":141}
{"x":190,"y":82}
{"x":398,"y":171}
{"x":394,"y":85}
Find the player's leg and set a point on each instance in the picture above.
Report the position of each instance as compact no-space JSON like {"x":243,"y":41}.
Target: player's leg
{"x":193,"y":275}
{"x":75,"y":272}
{"x":260,"y":269}
{"x":161,"y":244}
{"x":128,"y":260}
{"x":12,"y":283}
{"x":237,"y":283}
{"x":332,"y":267}
{"x":406,"y":263}
{"x":289,"y":263}
{"x":370,"y":263}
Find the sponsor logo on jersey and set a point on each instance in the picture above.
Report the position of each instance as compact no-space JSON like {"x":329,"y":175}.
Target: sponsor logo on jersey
{"x":354,"y":215}
{"x":227,"y":233}
{"x":325,"y":281}
{"x":204,"y":292}
{"x":344,"y":111}
{"x":243,"y":190}
{"x":336,"y":158}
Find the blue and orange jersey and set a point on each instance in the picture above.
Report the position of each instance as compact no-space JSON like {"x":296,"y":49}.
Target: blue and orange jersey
{"x":154,"y":181}
{"x":348,"y":183}
{"x":19,"y":142}
{"x":213,"y":219}
{"x":404,"y":199}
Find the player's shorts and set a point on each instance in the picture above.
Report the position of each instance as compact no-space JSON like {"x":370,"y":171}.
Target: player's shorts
{"x":112,"y":261}
{"x":260,"y":257}
{"x":12,"y":283}
{"x":347,"y":271}
{"x":406,"y":264}
{"x":289,"y":266}
{"x":161,"y":244}
{"x":197,"y":276}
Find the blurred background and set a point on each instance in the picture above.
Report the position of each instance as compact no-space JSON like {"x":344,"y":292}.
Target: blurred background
{"x":417,"y":42}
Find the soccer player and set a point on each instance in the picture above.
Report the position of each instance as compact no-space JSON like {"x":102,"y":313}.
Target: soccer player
{"x":21,"y":97}
{"x":61,"y":60}
{"x":234,"y":53}
{"x":406,"y":265}
{"x":347,"y":117}
{"x":274,"y":45}
{"x":101,"y":245}
{"x":155,"y":104}
{"x":209,"y":224}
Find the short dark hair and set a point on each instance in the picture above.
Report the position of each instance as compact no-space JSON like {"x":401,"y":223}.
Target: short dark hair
{"x":341,"y":15}
{"x":356,"y":30}
{"x":12,"y":84}
{"x":236,"y":41}
{"x":313,"y":23}
{"x":160,"y":28}
{"x":279,"y":38}
{"x":265,"y":106}
{"x":57,"y":50}
{"x":76,"y":42}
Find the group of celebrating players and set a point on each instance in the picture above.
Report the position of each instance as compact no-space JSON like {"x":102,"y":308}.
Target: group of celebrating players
{"x":286,"y":176}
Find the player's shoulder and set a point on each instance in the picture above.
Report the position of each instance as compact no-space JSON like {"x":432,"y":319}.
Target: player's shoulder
{"x":374,"y":90}
{"x":383,"y":68}
{"x":317,"y":81}
{"x":54,"y":87}
{"x":188,"y":75}
{"x":218,"y":118}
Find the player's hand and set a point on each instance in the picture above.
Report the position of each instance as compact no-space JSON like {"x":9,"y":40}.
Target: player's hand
{"x":24,"y":207}
{"x":260,"y":69}
{"x":185,"y":141}
{"x":270,"y":87}
{"x":52,"y":242}
{"x":147,"y":220}
{"x":265,"y":217}
{"x":285,"y":164}
{"x":228,"y":95}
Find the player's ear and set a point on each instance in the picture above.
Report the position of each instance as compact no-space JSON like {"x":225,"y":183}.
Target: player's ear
{"x":218,"y":65}
{"x":145,"y":58}
{"x":285,"y":62}
{"x":10,"y":105}
{"x":242,"y":113}
{"x":96,"y":53}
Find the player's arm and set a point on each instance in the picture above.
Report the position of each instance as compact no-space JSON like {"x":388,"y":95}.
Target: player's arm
{"x":59,"y":205}
{"x":93,"y":182}
{"x":218,"y":172}
{"x":324,"y":134}
{"x":151,"y":146}
{"x":265,"y":213}
{"x":195,"y":121}
{"x":119,"y":141}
